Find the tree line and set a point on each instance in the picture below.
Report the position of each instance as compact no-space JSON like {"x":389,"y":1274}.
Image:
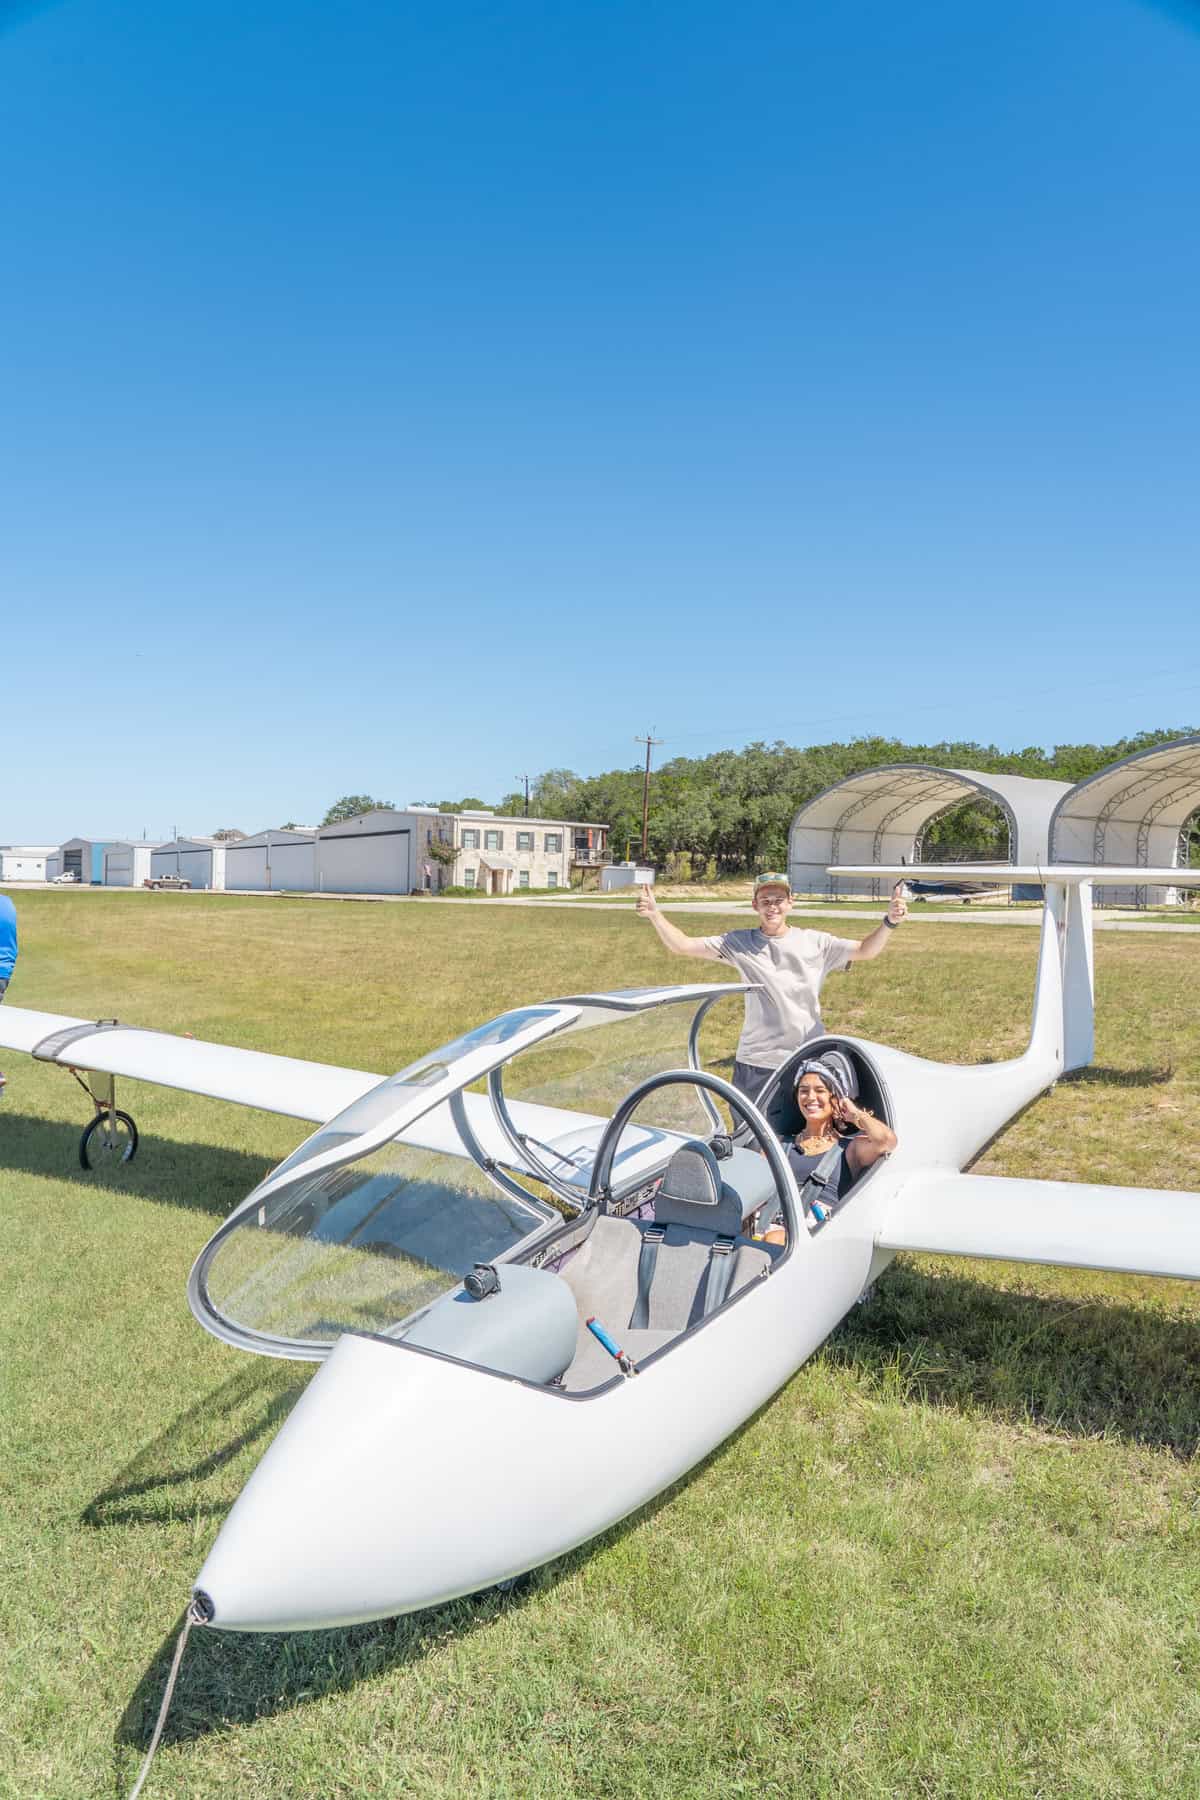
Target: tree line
{"x":730,"y":812}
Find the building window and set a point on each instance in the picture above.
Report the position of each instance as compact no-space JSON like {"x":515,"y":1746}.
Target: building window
{"x":554,"y":843}
{"x":470,"y":840}
{"x":468,"y":878}
{"x":523,"y":878}
{"x":552,"y":878}
{"x":493,"y":840}
{"x":524,"y":840}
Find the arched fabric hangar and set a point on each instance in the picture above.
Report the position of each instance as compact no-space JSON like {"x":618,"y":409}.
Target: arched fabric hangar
{"x":1134,"y":812}
{"x":880,"y":816}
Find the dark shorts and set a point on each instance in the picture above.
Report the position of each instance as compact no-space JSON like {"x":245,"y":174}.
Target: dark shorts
{"x":3,"y":985}
{"x":749,"y":1079}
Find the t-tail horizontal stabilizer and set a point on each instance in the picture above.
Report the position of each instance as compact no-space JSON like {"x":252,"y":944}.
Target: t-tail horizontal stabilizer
{"x":1137,"y":1231}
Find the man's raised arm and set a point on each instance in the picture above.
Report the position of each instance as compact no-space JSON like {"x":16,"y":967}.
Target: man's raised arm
{"x":676,"y":941}
{"x":881,"y":937}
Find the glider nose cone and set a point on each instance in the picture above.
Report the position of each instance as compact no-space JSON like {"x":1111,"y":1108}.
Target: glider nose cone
{"x":371,"y":1499}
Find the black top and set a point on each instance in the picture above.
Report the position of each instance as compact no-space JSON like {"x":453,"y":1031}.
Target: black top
{"x":836,"y":1183}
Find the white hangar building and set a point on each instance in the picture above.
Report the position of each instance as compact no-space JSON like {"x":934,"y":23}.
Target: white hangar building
{"x":200,"y":861}
{"x":272,"y":862}
{"x":374,"y":853}
{"x":881,"y":815}
{"x":84,"y":858}
{"x":26,"y":862}
{"x":127,"y":865}
{"x":1134,"y":812}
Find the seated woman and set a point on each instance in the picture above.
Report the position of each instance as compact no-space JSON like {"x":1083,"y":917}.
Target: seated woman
{"x":837,"y":1142}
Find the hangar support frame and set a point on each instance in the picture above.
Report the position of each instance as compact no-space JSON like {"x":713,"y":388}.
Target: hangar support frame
{"x":881,"y":815}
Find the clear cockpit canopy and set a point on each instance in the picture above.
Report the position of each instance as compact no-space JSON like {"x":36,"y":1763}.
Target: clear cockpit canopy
{"x":465,"y":1156}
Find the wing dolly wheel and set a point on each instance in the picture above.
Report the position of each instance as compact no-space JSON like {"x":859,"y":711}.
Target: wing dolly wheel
{"x":110,"y":1138}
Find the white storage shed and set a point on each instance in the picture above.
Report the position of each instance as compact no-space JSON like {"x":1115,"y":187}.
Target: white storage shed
{"x":371,"y":854}
{"x":127,"y":865}
{"x":200,"y":861}
{"x":624,"y":875}
{"x":25,"y":862}
{"x":272,"y":862}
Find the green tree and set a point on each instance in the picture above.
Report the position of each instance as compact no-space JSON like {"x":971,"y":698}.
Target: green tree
{"x":350,"y":805}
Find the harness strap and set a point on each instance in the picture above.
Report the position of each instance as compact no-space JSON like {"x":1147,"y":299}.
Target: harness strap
{"x":652,"y":1237}
{"x":717,"y":1276}
{"x":817,"y":1181}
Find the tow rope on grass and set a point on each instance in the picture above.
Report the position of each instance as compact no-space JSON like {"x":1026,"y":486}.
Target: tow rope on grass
{"x":195,"y":1615}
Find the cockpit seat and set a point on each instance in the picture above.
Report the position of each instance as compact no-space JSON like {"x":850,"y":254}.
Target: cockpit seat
{"x":686,"y":1259}
{"x":649,"y":1280}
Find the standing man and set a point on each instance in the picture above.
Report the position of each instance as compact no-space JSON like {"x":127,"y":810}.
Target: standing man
{"x":8,"y":946}
{"x":789,"y":965}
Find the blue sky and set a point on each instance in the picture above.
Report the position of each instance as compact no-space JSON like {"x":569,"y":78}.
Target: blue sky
{"x":396,"y":398}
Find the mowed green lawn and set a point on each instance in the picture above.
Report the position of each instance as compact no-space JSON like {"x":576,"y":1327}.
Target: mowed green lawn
{"x":957,"y":1555}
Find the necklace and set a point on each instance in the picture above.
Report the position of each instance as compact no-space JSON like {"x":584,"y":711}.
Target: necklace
{"x":811,"y":1142}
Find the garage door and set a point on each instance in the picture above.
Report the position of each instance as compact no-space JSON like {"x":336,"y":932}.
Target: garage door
{"x":370,"y":862}
{"x":246,"y":868}
{"x":118,"y":868}
{"x":196,"y":866}
{"x":292,"y":867}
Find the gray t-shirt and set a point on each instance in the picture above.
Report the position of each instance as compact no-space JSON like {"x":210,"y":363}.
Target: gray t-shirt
{"x":783,"y":1012}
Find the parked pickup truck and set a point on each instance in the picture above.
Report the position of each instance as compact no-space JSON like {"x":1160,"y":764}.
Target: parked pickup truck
{"x":166,"y":881}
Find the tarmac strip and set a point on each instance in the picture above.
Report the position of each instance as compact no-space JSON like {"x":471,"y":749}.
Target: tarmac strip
{"x":1104,"y":921}
{"x":1030,"y":916}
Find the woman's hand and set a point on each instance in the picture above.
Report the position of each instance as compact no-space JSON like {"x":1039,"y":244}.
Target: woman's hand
{"x":875,"y":1139}
{"x":647,"y":905}
{"x":845,"y":1112}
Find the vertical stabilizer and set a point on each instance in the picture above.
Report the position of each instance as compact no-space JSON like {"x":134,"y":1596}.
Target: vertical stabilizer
{"x":1079,"y":984}
{"x":1046,"y":1037}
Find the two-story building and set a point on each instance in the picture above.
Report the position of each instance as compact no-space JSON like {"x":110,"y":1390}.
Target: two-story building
{"x":502,"y":855}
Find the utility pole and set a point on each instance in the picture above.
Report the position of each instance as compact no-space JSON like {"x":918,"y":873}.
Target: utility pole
{"x":649,"y":742}
{"x":525,"y":779}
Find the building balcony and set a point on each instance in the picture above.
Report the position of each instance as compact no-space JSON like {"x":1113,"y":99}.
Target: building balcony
{"x":581,"y":856}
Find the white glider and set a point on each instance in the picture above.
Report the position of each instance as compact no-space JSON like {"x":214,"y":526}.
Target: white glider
{"x":465,"y":1424}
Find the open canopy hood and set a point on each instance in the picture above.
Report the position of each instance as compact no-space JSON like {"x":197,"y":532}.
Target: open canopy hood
{"x":392,"y":1201}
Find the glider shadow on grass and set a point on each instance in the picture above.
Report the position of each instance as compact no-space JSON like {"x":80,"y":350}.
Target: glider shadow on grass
{"x":1100,"y":1075}
{"x":1083,"y":1368}
{"x":164,"y":1481}
{"x":200,"y":1177}
{"x":1087,"y":1366}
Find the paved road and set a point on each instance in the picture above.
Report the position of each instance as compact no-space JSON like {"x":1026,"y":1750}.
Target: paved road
{"x":1104,"y":921}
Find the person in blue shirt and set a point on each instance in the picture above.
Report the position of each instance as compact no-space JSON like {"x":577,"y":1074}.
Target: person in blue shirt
{"x":8,"y":941}
{"x":8,"y":946}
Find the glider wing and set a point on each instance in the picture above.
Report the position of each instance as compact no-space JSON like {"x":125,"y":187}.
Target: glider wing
{"x":279,"y":1084}
{"x":1138,"y":1231}
{"x":1064,"y":874}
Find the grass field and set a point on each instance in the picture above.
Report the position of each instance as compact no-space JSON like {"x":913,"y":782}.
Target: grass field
{"x":956,"y":1556}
